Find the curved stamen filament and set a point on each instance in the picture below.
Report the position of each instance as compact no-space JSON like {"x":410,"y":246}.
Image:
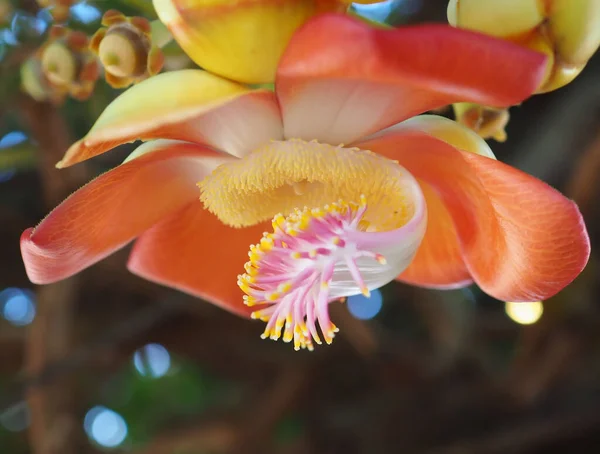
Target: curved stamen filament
{"x":290,"y":271}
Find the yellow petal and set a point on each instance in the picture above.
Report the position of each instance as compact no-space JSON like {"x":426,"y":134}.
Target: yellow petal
{"x":575,"y":28}
{"x":567,"y":31}
{"x":500,"y":18}
{"x":487,"y":122}
{"x":189,"y":105}
{"x":444,"y":129}
{"x":241,"y":40}
{"x":561,"y":75}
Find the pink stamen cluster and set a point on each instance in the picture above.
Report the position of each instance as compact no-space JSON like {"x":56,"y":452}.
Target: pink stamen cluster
{"x":291,"y":269}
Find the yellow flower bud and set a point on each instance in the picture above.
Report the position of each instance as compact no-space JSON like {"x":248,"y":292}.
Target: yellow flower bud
{"x":242,"y":39}
{"x":67,"y":64}
{"x":35,"y":84}
{"x":126,"y":49}
{"x":488,"y":122}
{"x":568,"y":31}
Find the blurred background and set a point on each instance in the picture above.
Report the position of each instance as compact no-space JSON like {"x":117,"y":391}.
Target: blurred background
{"x":107,"y":362}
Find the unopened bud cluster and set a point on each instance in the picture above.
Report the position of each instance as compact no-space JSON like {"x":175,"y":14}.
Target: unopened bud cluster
{"x":566,"y":31}
{"x":125,"y":49}
{"x":68,"y":66}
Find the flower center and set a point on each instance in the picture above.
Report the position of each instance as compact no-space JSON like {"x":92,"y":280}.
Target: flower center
{"x":317,"y":255}
{"x":283,"y":175}
{"x":291,"y":271}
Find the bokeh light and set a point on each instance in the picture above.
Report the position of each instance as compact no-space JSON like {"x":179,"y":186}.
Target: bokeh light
{"x":8,"y":37}
{"x":365,"y":308}
{"x":15,"y":418}
{"x":524,"y":313}
{"x":17,"y":305}
{"x":376,"y":11}
{"x":6,"y":175}
{"x":12,"y":138}
{"x":86,"y":13}
{"x":105,"y":426}
{"x":152,"y":360}
{"x":9,"y":140}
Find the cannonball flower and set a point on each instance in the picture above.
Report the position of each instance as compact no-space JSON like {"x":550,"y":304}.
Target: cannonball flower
{"x":241,"y":40}
{"x":126,"y":50}
{"x":327,"y":187}
{"x":566,"y":31}
{"x":67,"y":63}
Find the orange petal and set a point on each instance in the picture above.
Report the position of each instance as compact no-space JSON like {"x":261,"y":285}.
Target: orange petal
{"x":196,"y":253}
{"x":341,"y":79}
{"x":521,"y":240}
{"x":111,"y":210}
{"x":190,"y":105}
{"x":439,"y":262}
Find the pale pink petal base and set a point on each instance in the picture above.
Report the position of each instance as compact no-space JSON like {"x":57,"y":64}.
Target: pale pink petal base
{"x":188,"y":105}
{"x":341,"y":79}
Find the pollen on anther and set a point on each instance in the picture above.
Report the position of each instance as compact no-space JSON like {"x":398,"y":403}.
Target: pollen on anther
{"x":290,"y":275}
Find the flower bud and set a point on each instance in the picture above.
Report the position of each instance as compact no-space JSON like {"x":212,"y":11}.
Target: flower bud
{"x":241,"y":40}
{"x":567,"y":31}
{"x":126,"y":49}
{"x":35,"y":84}
{"x":488,"y":122}
{"x":67,"y":63}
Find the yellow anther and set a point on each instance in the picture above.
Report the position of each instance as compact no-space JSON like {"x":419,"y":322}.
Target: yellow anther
{"x":247,"y":191}
{"x":380,"y":259}
{"x":266,"y":244}
{"x":251,"y":302}
{"x":365,"y":291}
{"x":312,"y":254}
{"x":273,"y":296}
{"x":317,"y":339}
{"x":285,"y":287}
